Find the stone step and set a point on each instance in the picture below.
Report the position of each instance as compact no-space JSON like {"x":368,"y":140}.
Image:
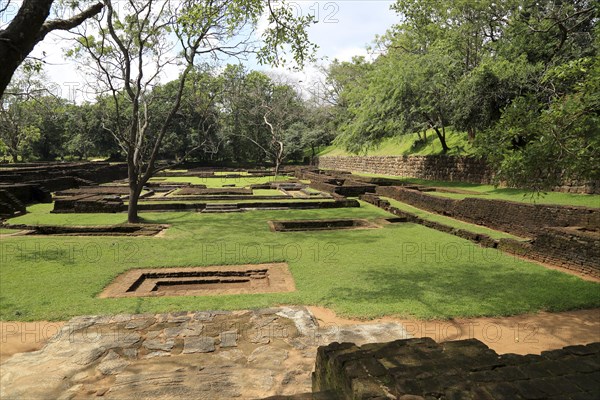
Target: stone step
{"x":222,"y":211}
{"x":10,"y":205}
{"x":5,"y":209}
{"x":221,"y":208}
{"x":306,"y":396}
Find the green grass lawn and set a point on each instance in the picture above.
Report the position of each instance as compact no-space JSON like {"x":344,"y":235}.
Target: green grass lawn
{"x":242,"y":181}
{"x":401,"y":269}
{"x":492,"y":192}
{"x":39,"y":214}
{"x":428,"y":216}
{"x":4,"y":231}
{"x":267,"y":192}
{"x":402,"y":145}
{"x":245,"y":173}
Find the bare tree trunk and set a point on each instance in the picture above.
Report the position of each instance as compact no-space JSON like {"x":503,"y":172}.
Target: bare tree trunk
{"x":278,"y":158}
{"x":471,"y":134}
{"x":135,"y":190}
{"x":19,"y":38}
{"x":132,"y":208}
{"x":27,"y":29}
{"x":442,"y":137}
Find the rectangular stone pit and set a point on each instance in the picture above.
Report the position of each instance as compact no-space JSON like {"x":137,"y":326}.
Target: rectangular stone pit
{"x":320,"y":225}
{"x":202,"y":281}
{"x":110,"y":230}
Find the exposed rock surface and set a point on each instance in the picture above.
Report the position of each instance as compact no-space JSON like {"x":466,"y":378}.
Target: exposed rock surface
{"x":202,"y":355}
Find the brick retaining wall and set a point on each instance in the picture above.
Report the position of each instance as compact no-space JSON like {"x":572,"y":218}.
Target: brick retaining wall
{"x":517,"y":218}
{"x":465,"y":369}
{"x":443,"y":168}
{"x":439,"y":167}
{"x":570,"y":248}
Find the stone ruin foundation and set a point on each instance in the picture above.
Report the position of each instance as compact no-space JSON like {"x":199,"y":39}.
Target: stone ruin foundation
{"x":319,"y":225}
{"x":110,"y":230}
{"x":202,"y":281}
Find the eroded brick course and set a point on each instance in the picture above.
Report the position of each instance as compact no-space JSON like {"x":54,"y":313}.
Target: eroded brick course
{"x":466,"y":369}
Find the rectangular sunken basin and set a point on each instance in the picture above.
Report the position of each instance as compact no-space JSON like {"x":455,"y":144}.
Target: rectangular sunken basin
{"x":202,"y":281}
{"x":319,"y":225}
{"x":392,"y":220}
{"x":109,"y":230}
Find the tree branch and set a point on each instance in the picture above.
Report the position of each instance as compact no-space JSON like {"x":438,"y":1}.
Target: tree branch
{"x":5,"y":7}
{"x":67,"y":24}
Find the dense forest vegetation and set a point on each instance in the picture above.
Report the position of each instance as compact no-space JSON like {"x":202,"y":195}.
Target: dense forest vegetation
{"x":519,"y":78}
{"x":222,"y":117}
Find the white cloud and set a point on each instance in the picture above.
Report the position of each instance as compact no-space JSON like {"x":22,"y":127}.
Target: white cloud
{"x":347,"y":53}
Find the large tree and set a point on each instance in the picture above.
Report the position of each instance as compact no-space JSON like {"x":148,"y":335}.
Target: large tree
{"x":131,"y":47}
{"x":29,"y":27}
{"x":515,"y":75}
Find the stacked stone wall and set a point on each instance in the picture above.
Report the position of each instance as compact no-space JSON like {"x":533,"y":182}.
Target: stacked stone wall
{"x":575,"y":249}
{"x":518,"y":218}
{"x":465,"y":369}
{"x":446,"y":168}
{"x":439,"y":167}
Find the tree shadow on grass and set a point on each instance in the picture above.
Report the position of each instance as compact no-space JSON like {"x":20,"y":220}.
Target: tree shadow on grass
{"x":466,"y":291}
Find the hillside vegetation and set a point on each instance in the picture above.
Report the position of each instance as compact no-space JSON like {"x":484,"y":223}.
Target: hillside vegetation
{"x":404,"y":145}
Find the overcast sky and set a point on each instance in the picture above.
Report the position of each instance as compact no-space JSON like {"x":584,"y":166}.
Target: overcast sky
{"x":344,"y":29}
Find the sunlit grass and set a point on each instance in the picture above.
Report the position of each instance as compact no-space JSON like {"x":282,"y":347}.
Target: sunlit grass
{"x":428,"y":216}
{"x":242,"y":181}
{"x":492,"y":192}
{"x":400,"y":269}
{"x":402,"y":145}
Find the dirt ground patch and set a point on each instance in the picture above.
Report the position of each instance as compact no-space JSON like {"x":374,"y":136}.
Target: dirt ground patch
{"x":24,"y":337}
{"x":521,"y":334}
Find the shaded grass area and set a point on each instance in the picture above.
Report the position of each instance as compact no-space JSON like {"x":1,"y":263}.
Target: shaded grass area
{"x":492,"y":192}
{"x":4,"y":231}
{"x":404,"y":145}
{"x":242,"y":181}
{"x":39,"y":214}
{"x":455,"y":223}
{"x":402,"y":269}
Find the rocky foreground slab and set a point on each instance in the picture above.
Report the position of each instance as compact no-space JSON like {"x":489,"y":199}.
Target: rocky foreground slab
{"x":199,"y":355}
